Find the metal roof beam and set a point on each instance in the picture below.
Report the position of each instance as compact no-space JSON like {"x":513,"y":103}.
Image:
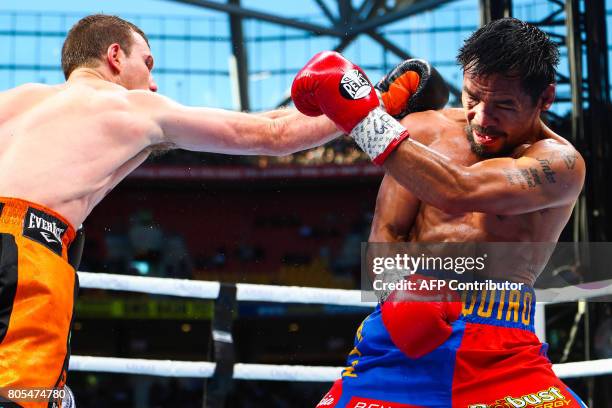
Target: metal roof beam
{"x":240,"y":54}
{"x":326,"y":11}
{"x":388,"y":45}
{"x":346,"y":12}
{"x":249,"y":13}
{"x":390,"y":17}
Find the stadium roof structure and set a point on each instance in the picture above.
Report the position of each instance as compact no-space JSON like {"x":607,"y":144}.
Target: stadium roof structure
{"x":346,"y":21}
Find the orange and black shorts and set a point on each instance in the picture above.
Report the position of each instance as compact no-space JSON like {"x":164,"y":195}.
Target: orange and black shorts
{"x":37,"y":292}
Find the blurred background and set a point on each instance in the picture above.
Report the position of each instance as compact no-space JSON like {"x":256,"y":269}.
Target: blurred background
{"x":292,"y":220}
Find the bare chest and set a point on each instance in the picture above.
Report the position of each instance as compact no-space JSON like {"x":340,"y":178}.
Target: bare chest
{"x":433,"y":225}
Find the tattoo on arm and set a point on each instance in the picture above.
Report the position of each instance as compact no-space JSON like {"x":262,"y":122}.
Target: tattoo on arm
{"x":549,"y":174}
{"x":508,"y":174}
{"x":570,"y":160}
{"x":518,"y":178}
{"x":535,"y":175}
{"x":526,"y":178}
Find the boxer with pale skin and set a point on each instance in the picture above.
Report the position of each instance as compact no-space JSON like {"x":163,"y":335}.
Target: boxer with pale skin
{"x":66,"y":146}
{"x":64,"y":149}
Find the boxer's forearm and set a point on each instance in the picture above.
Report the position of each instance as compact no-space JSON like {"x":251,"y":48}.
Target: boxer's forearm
{"x":429,"y":175}
{"x":302,"y":132}
{"x":276,"y":133}
{"x":547,"y":175}
{"x":293,"y":131}
{"x":387,"y":234}
{"x":395,"y":213}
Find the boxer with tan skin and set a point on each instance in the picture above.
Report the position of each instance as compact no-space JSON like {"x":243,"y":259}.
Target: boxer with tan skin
{"x":526,"y":197}
{"x":64,"y":148}
{"x":490,"y":172}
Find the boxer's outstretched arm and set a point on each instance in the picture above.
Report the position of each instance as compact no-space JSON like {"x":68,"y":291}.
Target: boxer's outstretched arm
{"x":279,"y":132}
{"x":549,"y":174}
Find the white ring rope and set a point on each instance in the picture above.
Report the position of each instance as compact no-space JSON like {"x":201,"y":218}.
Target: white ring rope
{"x":205,"y":369}
{"x":281,"y":294}
{"x":248,"y":292}
{"x":157,"y":286}
{"x":583,"y":368}
{"x":576,"y":292}
{"x":296,"y":294}
{"x":160,"y":368}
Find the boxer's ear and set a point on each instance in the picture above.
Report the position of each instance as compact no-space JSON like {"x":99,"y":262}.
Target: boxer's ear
{"x":114,"y":57}
{"x":547,"y":97}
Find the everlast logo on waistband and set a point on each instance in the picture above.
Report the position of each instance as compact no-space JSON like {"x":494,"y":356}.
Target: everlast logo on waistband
{"x":44,"y":229}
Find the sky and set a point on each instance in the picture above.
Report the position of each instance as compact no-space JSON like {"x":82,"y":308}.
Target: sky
{"x":192,"y":46}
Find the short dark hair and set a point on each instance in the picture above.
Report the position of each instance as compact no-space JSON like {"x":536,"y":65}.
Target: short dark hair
{"x":90,"y":37}
{"x":513,"y":48}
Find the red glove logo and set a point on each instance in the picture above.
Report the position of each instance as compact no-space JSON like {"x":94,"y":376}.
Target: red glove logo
{"x":354,"y":85}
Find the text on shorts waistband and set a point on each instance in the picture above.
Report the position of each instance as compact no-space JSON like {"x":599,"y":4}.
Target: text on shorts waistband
{"x":505,"y":308}
{"x":37,"y":223}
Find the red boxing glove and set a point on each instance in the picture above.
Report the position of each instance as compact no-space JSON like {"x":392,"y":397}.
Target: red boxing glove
{"x":332,"y":85}
{"x":417,"y":325}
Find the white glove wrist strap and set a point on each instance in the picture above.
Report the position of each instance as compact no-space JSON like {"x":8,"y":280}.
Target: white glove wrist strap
{"x":376,"y":132}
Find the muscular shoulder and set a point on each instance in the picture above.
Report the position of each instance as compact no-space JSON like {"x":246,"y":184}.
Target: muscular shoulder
{"x":559,"y":160}
{"x":150,"y":108}
{"x":27,"y":88}
{"x":30,"y":90}
{"x":428,"y":126}
{"x":15,"y":100}
{"x":141,"y":100}
{"x":553,"y":147}
{"x":112,"y":105}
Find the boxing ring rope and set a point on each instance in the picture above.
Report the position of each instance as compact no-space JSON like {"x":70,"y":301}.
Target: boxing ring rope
{"x":273,"y":372}
{"x":204,"y":369}
{"x":281,"y":294}
{"x":249,"y":292}
{"x":246,"y":292}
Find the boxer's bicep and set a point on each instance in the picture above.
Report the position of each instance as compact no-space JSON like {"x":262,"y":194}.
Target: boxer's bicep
{"x":222,"y":131}
{"x":396,"y":210}
{"x":540,"y":179}
{"x":216,"y":130}
{"x":202,"y":129}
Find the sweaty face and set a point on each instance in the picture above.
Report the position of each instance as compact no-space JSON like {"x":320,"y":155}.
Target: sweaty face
{"x":499,"y":113}
{"x":136,"y":70}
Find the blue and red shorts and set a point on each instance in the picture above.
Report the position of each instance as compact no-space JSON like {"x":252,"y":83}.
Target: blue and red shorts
{"x":493,"y":359}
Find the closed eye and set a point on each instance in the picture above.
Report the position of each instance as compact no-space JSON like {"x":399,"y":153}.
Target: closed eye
{"x":507,"y":105}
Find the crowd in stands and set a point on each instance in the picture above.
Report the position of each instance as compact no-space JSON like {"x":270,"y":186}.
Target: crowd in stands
{"x":283,"y":249}
{"x":341,"y":151}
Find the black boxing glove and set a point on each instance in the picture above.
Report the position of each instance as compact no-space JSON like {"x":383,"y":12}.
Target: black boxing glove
{"x":412,"y":86}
